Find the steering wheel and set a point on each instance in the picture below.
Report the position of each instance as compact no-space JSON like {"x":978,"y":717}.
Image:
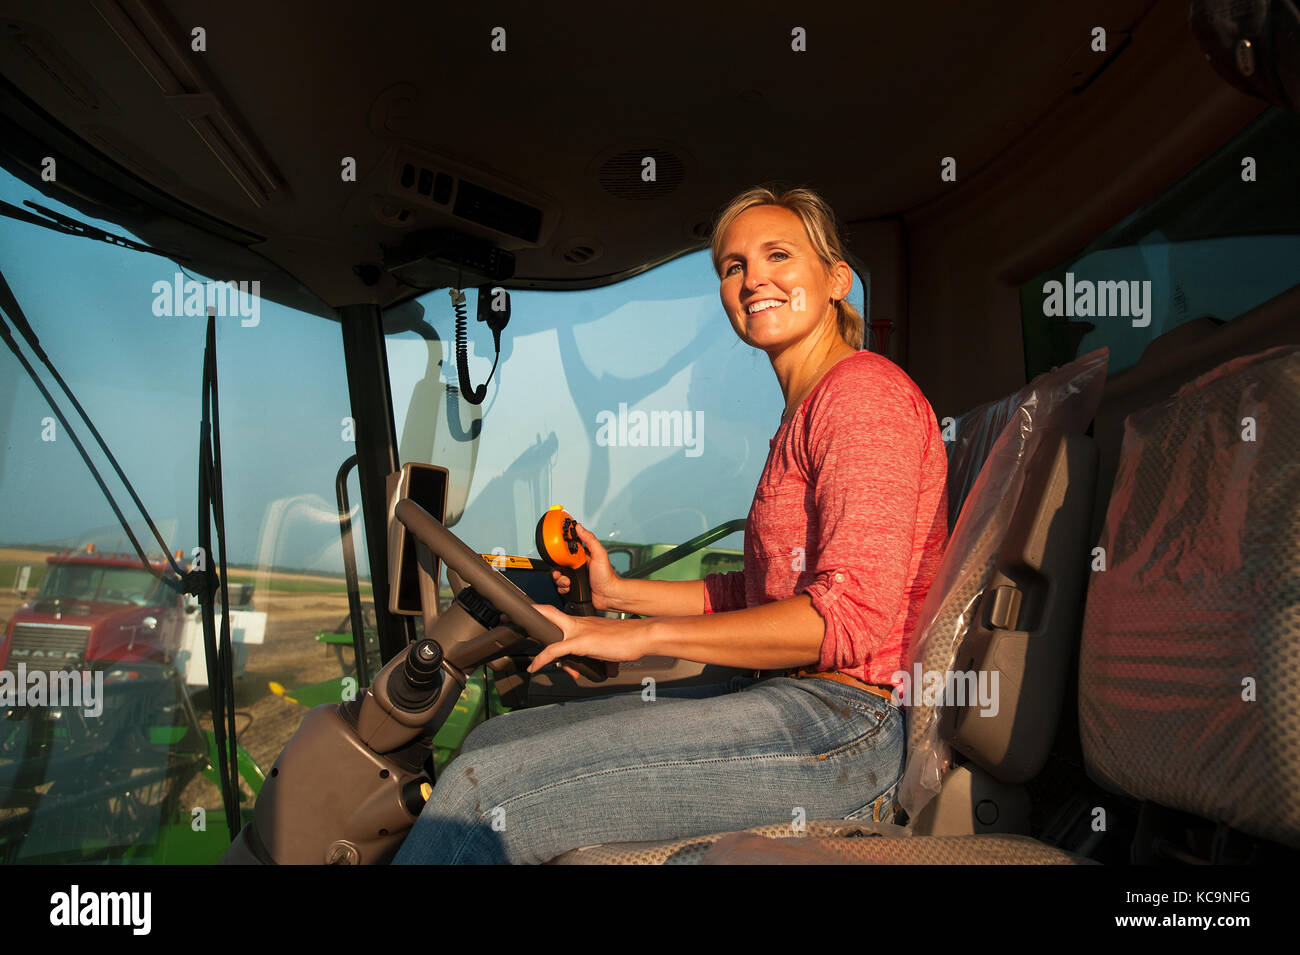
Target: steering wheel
{"x":504,"y":595}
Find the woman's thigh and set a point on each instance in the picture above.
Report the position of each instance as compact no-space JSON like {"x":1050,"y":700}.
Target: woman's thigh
{"x":543,"y":719}
{"x":781,"y":751}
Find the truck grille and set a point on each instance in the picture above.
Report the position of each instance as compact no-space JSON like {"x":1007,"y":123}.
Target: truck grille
{"x":47,"y":646}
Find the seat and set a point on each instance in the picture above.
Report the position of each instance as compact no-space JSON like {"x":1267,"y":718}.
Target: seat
{"x":1005,"y":600}
{"x":1191,"y":642}
{"x":827,"y":842}
{"x":1005,"y":597}
{"x":977,"y":431}
{"x":1194,"y":591}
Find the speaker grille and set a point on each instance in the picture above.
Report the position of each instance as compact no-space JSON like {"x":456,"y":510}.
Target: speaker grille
{"x":620,"y":175}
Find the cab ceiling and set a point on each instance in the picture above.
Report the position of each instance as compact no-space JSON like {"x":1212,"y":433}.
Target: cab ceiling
{"x":251,"y":135}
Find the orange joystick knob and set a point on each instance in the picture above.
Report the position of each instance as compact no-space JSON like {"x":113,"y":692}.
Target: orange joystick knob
{"x":559,"y":545}
{"x":558,"y":541}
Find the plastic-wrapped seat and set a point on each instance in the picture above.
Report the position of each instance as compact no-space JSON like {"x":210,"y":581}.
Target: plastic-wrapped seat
{"x":1006,"y":603}
{"x":1005,"y":598}
{"x":1191,"y":642}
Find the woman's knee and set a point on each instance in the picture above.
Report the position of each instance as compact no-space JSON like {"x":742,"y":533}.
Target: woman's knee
{"x":455,"y":825}
{"x":487,"y":733}
{"x":463,"y":784}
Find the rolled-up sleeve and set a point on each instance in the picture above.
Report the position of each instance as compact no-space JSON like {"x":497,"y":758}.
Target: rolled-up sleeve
{"x":724,"y":592}
{"x":863,"y":455}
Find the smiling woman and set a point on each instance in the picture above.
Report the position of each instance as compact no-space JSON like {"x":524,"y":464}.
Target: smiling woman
{"x":843,"y":537}
{"x":788,"y":297}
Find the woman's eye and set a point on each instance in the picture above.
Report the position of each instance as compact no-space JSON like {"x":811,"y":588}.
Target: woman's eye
{"x":782,"y":254}
{"x":730,"y":268}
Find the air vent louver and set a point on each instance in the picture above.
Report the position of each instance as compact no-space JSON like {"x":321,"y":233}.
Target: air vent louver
{"x":579,"y":254}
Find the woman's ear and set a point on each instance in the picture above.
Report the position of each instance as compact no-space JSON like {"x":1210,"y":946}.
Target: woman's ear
{"x":842,"y":282}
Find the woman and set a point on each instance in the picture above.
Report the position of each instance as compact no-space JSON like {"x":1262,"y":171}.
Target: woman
{"x":844,"y":535}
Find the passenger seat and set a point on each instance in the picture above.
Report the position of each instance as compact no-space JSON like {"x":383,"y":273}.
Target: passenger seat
{"x":1191,"y":643}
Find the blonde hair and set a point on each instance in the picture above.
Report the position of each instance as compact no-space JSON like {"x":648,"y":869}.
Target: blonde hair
{"x":818,"y":221}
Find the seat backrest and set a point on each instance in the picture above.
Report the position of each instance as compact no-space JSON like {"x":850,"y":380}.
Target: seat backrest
{"x":1004,"y":601}
{"x":977,"y":431}
{"x":1175,"y":358}
{"x":1190,"y":653}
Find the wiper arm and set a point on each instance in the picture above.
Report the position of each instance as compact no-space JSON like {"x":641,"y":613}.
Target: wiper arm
{"x":9,"y":306}
{"x":58,"y":222}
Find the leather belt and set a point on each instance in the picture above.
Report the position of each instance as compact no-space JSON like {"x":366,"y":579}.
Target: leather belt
{"x":886,"y":692}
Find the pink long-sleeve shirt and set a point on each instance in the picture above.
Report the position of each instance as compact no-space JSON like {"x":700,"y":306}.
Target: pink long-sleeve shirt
{"x":851,"y":509}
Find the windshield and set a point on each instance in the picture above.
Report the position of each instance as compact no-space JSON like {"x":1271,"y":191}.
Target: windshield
{"x":124,"y":585}
{"x":136,"y":782}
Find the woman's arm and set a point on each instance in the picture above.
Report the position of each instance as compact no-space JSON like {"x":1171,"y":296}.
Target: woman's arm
{"x":784,"y":633}
{"x":773,"y":636}
{"x":658,"y":598}
{"x":649,"y":598}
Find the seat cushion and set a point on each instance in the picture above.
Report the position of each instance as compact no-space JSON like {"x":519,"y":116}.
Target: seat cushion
{"x":835,"y":842}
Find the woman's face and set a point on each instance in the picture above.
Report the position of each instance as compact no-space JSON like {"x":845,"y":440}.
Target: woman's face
{"x":775,"y":289}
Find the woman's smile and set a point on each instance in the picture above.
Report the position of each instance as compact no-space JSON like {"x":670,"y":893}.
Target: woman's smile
{"x":774,"y":287}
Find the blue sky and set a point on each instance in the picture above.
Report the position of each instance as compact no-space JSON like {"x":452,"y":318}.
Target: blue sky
{"x":658,"y":342}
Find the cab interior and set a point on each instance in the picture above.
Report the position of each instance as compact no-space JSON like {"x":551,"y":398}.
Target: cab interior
{"x":351,"y":164}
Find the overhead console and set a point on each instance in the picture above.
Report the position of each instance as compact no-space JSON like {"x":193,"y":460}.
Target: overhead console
{"x":461,"y":224}
{"x":445,"y":258}
{"x":482,"y":204}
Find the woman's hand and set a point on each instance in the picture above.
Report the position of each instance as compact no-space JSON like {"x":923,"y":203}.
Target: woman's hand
{"x":598,"y":637}
{"x":604,"y":580}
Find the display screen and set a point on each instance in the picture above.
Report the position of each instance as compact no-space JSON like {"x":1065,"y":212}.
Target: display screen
{"x":426,"y":485}
{"x":536,"y":584}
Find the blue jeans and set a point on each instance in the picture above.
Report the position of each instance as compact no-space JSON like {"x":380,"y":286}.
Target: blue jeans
{"x":535,"y":783}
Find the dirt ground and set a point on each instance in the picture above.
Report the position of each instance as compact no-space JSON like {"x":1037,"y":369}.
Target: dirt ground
{"x":290,"y":656}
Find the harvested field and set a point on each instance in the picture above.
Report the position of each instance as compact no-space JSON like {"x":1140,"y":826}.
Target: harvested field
{"x":297,"y":606}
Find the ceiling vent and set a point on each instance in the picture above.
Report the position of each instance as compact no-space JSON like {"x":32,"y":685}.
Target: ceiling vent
{"x":189,"y":90}
{"x":46,"y":53}
{"x":624,"y":175}
{"x":580,"y":251}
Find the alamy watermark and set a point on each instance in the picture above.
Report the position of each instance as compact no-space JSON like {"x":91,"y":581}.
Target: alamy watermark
{"x":78,"y":908}
{"x":63,"y":689}
{"x":947,"y":688}
{"x":189,"y":297}
{"x":1085,"y":298}
{"x":655,"y":429}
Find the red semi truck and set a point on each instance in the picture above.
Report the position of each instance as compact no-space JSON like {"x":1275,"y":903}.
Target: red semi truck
{"x":95,"y":606}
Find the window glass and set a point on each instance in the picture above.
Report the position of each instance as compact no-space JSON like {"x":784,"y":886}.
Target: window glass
{"x":1221,"y":241}
{"x":105,"y":584}
{"x":133,"y":781}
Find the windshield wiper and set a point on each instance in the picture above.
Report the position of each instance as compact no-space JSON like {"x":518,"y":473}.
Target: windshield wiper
{"x":58,"y":222}
{"x":206,"y":583}
{"x":10,"y":308}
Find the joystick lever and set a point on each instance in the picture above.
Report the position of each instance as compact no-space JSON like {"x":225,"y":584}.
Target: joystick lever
{"x":559,"y":545}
